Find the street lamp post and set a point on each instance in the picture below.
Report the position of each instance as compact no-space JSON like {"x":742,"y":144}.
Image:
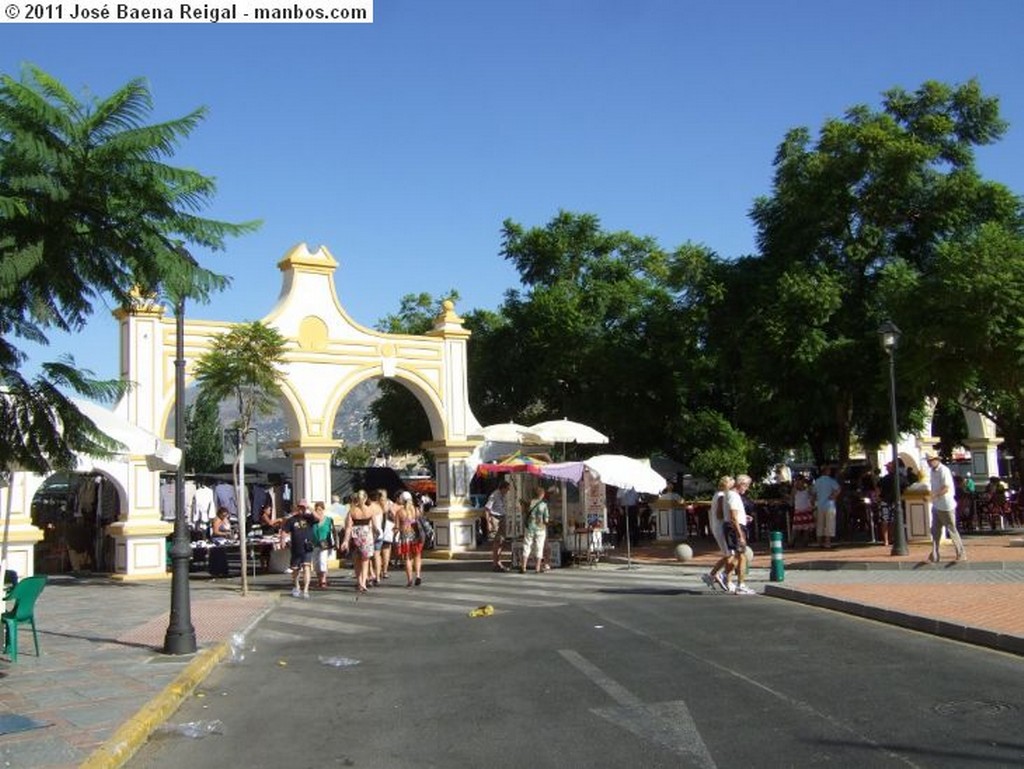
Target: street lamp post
{"x":890,"y":338}
{"x":181,"y":634}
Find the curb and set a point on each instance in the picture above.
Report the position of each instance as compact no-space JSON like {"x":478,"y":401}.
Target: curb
{"x":964,"y":633}
{"x":136,"y":731}
{"x":133,"y":734}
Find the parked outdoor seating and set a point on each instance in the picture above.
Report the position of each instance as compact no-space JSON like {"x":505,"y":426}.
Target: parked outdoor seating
{"x":24,"y":595}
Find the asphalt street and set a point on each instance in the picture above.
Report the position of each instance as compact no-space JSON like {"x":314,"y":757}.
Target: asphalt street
{"x":601,"y":668}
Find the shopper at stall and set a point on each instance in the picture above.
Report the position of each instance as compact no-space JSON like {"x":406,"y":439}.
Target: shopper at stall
{"x":410,"y":542}
{"x":221,"y":524}
{"x":497,"y":507}
{"x":535,"y":531}
{"x":297,"y":529}
{"x":359,"y":536}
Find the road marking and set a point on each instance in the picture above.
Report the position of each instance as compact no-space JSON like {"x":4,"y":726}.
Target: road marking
{"x":669,"y":723}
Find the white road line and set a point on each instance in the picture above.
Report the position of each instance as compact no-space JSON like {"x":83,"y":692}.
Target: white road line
{"x":668,"y":724}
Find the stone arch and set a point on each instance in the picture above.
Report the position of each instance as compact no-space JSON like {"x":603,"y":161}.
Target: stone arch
{"x":982,"y":442}
{"x":327,"y":355}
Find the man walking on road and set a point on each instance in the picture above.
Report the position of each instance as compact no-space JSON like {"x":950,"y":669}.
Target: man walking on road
{"x":943,"y":508}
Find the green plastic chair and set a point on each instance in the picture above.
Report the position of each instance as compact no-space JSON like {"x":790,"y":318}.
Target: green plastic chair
{"x":24,"y":595}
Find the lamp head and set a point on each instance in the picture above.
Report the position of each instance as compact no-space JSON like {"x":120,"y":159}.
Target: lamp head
{"x":889,"y":335}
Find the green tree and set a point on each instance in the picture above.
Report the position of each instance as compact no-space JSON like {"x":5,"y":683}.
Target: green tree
{"x":204,"y":451}
{"x":90,"y":211}
{"x":604,"y":319}
{"x":854,"y":219}
{"x":356,"y":455}
{"x":972,"y":331}
{"x":244,"y":365}
{"x":402,"y":424}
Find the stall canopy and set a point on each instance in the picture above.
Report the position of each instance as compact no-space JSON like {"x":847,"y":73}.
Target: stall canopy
{"x":612,"y":470}
{"x":517,"y":462}
{"x":137,"y":441}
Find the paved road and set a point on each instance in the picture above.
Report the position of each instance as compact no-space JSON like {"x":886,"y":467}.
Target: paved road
{"x":592,"y":668}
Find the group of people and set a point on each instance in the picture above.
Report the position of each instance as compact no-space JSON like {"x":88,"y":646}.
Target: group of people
{"x":814,"y":505}
{"x":728,"y":521}
{"x":370,"y":527}
{"x":497,"y":508}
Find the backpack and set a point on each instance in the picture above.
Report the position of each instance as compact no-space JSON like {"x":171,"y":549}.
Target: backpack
{"x":426,"y":532}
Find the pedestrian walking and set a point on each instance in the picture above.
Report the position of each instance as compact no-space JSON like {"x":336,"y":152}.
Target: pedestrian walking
{"x":324,"y":541}
{"x":409,"y":538}
{"x":716,"y":522}
{"x":297,"y":528}
{"x":359,"y":536}
{"x":943,"y":507}
{"x":736,"y":538}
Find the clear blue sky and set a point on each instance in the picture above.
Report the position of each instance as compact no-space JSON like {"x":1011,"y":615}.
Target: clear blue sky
{"x":403,"y":145}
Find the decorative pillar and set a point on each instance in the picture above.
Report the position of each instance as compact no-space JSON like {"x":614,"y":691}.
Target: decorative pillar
{"x":140,"y":534}
{"x":311,"y":469}
{"x":21,"y":534}
{"x":454,"y":517}
{"x":984,"y":456}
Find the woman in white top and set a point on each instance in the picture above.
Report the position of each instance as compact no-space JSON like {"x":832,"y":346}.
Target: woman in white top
{"x":716,"y":522}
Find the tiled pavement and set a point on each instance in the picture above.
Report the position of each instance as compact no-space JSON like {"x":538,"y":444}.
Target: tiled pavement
{"x":102,"y":684}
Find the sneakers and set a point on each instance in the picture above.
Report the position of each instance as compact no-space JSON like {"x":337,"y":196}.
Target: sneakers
{"x":742,"y":589}
{"x":296,"y":592}
{"x":305,"y":595}
{"x":708,"y":580}
{"x":720,"y":579}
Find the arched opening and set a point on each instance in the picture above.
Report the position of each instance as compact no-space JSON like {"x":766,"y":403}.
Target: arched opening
{"x":73,"y":509}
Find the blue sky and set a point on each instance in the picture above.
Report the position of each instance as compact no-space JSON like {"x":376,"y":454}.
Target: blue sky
{"x":403,"y":145}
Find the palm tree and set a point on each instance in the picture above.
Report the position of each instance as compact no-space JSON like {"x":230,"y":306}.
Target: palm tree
{"x":90,"y":211}
{"x":244,"y":365}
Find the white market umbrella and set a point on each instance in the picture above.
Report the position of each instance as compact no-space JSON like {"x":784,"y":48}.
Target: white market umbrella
{"x":510,"y":432}
{"x":566,"y":431}
{"x":625,"y":473}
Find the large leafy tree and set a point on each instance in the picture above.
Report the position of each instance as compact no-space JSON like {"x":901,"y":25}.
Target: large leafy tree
{"x":606,"y":331}
{"x":244,"y":366}
{"x":91,"y":211}
{"x":855,"y":217}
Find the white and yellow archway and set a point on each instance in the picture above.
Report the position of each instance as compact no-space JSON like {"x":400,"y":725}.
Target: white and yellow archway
{"x":327,"y":355}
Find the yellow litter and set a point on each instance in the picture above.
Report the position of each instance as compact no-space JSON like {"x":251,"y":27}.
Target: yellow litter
{"x":482,"y":611}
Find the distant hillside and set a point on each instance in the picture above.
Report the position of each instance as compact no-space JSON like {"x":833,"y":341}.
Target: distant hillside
{"x":353,"y":423}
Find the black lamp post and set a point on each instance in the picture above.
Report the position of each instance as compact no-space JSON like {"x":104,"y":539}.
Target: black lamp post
{"x":181,"y":634}
{"x":890,"y":338}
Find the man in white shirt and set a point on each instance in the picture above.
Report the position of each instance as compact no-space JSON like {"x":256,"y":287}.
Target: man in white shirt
{"x":736,"y":537}
{"x":943,"y":508}
{"x":497,"y":506}
{"x":826,"y":490}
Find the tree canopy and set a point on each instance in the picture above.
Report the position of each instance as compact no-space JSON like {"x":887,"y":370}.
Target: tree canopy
{"x":91,"y":210}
